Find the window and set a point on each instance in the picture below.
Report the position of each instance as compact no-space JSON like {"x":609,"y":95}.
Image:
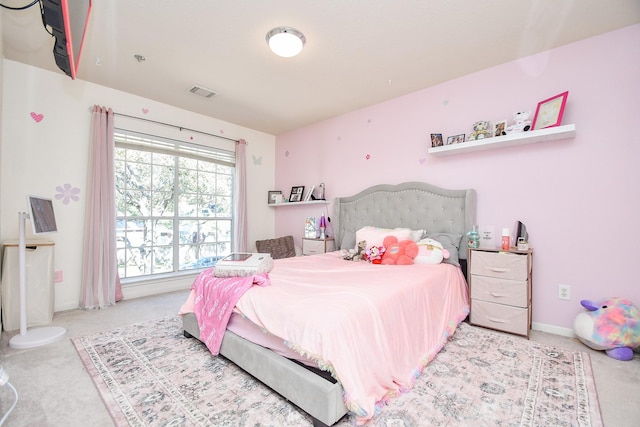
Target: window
{"x":174,"y":204}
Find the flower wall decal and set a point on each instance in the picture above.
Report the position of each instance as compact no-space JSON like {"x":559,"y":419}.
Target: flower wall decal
{"x":67,"y":193}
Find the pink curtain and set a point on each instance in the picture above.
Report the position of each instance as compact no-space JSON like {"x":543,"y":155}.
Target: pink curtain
{"x":240,"y":224}
{"x":100,"y":281}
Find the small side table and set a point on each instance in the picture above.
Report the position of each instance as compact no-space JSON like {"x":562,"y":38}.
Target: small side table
{"x":317,"y":246}
{"x":500,"y":285}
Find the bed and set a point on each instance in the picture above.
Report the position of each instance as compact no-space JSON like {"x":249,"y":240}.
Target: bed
{"x":440,"y":213}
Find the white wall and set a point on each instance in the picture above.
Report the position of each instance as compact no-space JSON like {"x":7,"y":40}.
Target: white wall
{"x":37,"y":157}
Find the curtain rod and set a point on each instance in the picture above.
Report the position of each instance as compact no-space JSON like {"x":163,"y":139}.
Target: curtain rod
{"x":174,"y":126}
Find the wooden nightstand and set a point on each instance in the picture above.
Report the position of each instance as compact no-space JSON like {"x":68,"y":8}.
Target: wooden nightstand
{"x":317,"y":246}
{"x":500,"y":285}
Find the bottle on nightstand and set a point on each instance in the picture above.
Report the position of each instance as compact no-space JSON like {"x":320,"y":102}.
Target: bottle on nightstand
{"x":506,"y":239}
{"x":474,"y":238}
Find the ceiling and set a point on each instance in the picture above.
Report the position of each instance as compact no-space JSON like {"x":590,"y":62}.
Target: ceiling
{"x":358,"y":52}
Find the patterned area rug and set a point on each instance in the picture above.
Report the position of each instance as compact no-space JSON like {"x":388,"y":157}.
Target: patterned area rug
{"x":150,"y":375}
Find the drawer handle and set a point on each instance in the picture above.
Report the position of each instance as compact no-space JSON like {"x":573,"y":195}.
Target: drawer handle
{"x":499,"y":269}
{"x":497,"y":295}
{"x":494,"y":319}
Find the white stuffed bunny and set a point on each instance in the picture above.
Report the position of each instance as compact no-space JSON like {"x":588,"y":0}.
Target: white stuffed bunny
{"x":430,"y":252}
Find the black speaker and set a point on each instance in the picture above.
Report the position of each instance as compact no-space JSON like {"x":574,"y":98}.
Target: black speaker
{"x":521,"y":231}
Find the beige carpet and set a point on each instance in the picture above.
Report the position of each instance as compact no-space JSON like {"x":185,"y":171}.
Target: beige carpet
{"x":150,"y":375}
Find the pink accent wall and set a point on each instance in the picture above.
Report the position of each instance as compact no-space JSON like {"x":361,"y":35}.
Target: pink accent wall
{"x":579,"y":198}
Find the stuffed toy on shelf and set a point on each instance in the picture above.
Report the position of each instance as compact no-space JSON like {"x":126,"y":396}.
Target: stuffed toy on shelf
{"x":522,"y":122}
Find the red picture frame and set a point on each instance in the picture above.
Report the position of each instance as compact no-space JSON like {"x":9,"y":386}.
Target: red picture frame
{"x":549,"y":112}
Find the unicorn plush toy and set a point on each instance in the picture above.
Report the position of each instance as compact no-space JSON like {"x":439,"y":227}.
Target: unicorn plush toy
{"x":610,"y":324}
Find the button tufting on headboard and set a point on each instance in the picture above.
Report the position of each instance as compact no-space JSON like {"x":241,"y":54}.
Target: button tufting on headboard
{"x":414,"y":205}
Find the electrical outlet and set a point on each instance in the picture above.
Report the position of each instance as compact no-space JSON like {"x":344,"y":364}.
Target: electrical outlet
{"x":564,"y":292}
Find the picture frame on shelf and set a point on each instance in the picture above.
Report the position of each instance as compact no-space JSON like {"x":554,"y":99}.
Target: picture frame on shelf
{"x":272,"y":197}
{"x":309,"y":195}
{"x":436,"y":140}
{"x":500,"y":128}
{"x":296,"y":193}
{"x":550,"y":111}
{"x":455,"y":139}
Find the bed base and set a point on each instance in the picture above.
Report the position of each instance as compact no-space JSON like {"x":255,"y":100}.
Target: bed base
{"x":317,"y":396}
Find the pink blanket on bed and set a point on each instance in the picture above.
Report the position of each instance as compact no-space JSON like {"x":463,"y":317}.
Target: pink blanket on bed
{"x":215,"y":299}
{"x":373,"y":326}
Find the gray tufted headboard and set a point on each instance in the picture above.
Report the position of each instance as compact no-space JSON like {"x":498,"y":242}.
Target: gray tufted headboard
{"x":414,"y":205}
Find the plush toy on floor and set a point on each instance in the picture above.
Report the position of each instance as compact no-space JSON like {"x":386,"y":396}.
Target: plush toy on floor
{"x":610,"y":324}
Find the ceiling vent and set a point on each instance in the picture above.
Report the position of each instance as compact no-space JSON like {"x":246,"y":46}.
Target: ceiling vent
{"x":202,"y":91}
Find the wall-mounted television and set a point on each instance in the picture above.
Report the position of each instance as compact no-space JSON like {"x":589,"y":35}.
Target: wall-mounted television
{"x":43,"y":220}
{"x":68,"y":20}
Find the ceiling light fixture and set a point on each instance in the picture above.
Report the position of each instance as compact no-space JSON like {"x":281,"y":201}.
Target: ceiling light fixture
{"x":286,"y":41}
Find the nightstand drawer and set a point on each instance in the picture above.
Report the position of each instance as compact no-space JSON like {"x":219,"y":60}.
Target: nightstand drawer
{"x":501,"y":317}
{"x":317,"y":246}
{"x":502,"y":291}
{"x":498,"y":264}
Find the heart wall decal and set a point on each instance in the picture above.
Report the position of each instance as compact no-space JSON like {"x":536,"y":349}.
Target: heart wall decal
{"x":37,"y":117}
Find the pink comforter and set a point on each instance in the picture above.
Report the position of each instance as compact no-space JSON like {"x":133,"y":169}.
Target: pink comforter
{"x":373,"y":326}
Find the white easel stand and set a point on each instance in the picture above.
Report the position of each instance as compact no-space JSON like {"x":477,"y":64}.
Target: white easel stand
{"x":39,"y":336}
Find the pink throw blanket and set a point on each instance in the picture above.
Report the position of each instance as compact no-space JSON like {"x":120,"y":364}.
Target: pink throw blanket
{"x":215,"y":300}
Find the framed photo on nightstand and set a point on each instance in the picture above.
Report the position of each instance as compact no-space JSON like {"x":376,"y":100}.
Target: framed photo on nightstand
{"x":310,"y":228}
{"x":487,"y":236}
{"x":296,"y":193}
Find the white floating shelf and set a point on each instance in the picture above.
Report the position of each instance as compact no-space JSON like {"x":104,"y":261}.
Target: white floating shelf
{"x":541,"y":135}
{"x":310,"y":202}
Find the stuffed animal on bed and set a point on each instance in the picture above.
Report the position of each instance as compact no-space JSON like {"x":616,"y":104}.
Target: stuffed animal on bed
{"x":398,"y":252}
{"x":356,"y":254}
{"x":374,"y":254}
{"x":430,"y":252}
{"x":609,"y":324}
